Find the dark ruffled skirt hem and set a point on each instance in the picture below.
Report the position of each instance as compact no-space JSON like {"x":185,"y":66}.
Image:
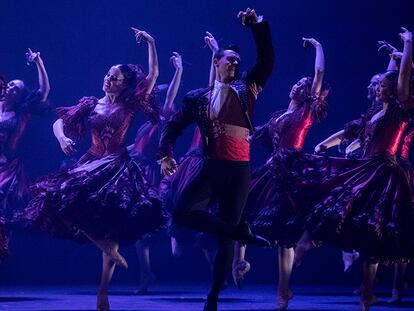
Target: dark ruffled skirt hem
{"x":367,"y":207}
{"x":107,"y":198}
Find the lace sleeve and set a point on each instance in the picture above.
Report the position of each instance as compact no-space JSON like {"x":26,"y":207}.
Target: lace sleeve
{"x":74,"y":116}
{"x":140,"y":100}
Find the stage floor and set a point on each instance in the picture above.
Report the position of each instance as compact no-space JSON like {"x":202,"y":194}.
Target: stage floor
{"x":185,"y":297}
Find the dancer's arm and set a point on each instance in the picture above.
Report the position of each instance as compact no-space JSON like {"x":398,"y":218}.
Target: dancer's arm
{"x":66,"y":144}
{"x":211,"y":42}
{"x":264,"y":48}
{"x":174,"y":84}
{"x":319,"y":66}
{"x":353,"y":146}
{"x":333,"y":140}
{"x":405,"y":69}
{"x":153,"y":70}
{"x":44,"y":86}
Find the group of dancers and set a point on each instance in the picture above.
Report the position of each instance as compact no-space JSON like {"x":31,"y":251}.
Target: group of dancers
{"x":361,"y":203}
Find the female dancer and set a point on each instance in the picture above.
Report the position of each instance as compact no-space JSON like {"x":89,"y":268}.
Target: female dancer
{"x":143,"y":152}
{"x":104,"y":197}
{"x":368,"y":205}
{"x":272,"y":207}
{"x":17,"y":106}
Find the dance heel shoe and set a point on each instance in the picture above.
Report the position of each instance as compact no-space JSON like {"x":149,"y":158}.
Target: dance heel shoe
{"x":102,"y":302}
{"x":283,"y":299}
{"x":396,"y":297}
{"x":243,"y":234}
{"x":210,"y":306}
{"x":144,"y":284}
{"x":367,"y":302}
{"x":238,"y":272}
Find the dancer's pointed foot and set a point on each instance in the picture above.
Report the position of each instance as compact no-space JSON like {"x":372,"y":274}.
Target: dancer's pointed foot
{"x":144,"y":284}
{"x":348,"y":258}
{"x":367,"y":302}
{"x":244,"y":235}
{"x":396,"y":296}
{"x":240,"y":268}
{"x":303,"y":246}
{"x":102,"y":302}
{"x":117,"y":258}
{"x":283,"y":297}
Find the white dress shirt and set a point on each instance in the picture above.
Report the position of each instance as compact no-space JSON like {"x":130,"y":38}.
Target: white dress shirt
{"x":218,"y":98}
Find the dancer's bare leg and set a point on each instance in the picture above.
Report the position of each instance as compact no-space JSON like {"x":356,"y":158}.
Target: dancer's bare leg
{"x":108,"y":268}
{"x":367,"y":294}
{"x":240,"y":265}
{"x":285,"y":269}
{"x":110,"y":248}
{"x":304,"y":245}
{"x":398,"y":283}
{"x":146,"y":276}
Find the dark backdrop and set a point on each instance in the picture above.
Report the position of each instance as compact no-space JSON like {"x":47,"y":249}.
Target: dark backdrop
{"x":80,"y":40}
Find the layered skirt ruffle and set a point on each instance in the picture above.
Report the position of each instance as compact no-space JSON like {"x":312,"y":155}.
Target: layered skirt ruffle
{"x":367,"y":207}
{"x":105,"y":197}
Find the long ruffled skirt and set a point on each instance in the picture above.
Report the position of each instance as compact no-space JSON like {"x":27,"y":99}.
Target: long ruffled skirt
{"x":281,"y":195}
{"x":13,"y":189}
{"x":367,"y":207}
{"x":105,"y":197}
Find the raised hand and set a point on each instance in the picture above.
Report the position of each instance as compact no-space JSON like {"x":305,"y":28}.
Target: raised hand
{"x":168,"y":166}
{"x":211,"y":42}
{"x":32,"y":57}
{"x":310,"y":42}
{"x":142,"y":35}
{"x":255,"y":89}
{"x":249,"y":17}
{"x":319,"y":148}
{"x":388,"y":47}
{"x":406,"y":35}
{"x":67,"y":145}
{"x":176,"y":60}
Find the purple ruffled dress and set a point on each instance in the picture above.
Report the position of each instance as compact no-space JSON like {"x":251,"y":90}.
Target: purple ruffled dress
{"x":13,"y":180}
{"x":105,"y":194}
{"x":275,"y":207}
{"x":367,"y":205}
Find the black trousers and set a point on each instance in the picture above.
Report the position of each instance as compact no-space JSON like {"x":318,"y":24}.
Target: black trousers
{"x":228,"y":183}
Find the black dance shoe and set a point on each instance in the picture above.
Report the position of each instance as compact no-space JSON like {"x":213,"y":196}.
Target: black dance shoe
{"x":210,"y":305}
{"x":244,"y":235}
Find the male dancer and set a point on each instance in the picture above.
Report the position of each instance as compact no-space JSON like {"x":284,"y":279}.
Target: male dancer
{"x":223,"y":113}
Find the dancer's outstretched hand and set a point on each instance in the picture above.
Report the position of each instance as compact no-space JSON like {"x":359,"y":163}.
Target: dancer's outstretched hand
{"x":384,"y":45}
{"x":255,"y":89}
{"x":211,"y":42}
{"x":406,"y":35}
{"x":176,"y":60}
{"x":249,"y":17}
{"x":32,"y":57}
{"x":319,"y":148}
{"x":141,"y":35}
{"x":311,"y":41}
{"x":67,"y":145}
{"x":168,"y":166}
